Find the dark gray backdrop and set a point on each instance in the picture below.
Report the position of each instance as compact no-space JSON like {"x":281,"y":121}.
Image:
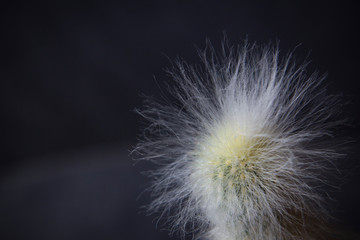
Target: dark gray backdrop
{"x":72,"y":73}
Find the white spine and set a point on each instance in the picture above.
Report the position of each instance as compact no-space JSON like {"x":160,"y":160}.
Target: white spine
{"x":242,"y":149}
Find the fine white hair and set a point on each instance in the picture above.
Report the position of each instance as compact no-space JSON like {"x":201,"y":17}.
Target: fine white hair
{"x":242,"y":147}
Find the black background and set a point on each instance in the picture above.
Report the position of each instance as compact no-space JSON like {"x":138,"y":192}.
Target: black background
{"x":72,"y":73}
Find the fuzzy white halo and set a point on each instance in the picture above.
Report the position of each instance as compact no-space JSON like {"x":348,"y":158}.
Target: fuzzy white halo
{"x":243,"y":148}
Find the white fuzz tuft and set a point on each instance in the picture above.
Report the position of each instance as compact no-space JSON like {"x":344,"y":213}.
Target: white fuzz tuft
{"x":242,"y":151}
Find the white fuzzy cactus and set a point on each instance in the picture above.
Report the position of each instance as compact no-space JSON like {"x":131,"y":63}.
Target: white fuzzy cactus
{"x":242,"y":149}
